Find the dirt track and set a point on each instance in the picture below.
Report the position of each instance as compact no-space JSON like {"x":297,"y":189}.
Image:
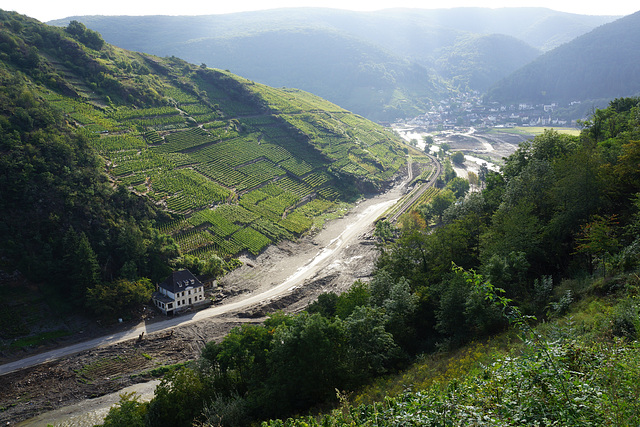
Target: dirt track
{"x":329,"y":260}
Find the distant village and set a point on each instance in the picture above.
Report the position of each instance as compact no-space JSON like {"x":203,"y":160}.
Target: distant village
{"x":469,"y":110}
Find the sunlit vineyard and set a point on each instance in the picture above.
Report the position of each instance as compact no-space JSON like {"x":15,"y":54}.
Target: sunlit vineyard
{"x":240,"y":165}
{"x":177,"y":95}
{"x":122,"y":114}
{"x":186,"y":190}
{"x":117,"y":143}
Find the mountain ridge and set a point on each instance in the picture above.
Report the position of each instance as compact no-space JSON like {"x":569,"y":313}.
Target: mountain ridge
{"x":418,"y":40}
{"x":600,"y":65}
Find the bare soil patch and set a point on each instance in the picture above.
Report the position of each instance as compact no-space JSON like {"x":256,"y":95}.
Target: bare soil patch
{"x":89,"y":374}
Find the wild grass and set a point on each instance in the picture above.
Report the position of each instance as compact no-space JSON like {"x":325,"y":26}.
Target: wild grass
{"x":39,"y":338}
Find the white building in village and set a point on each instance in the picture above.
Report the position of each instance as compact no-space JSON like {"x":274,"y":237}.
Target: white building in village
{"x":178,"y":292}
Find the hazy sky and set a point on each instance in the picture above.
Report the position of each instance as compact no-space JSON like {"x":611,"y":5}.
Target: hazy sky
{"x":45,"y":10}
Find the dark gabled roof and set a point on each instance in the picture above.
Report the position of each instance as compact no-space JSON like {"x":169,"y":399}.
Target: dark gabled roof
{"x":180,"y":281}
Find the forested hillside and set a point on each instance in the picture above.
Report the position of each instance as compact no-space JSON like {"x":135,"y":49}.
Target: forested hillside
{"x":476,"y":60}
{"x":353,"y":73}
{"x":117,"y":166}
{"x":600,"y":65}
{"x":556,"y":230}
{"x":383,"y":65}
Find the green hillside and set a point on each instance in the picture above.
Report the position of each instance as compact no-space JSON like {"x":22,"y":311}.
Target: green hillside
{"x":381,"y":65}
{"x":578,"y":369}
{"x":353,"y":73}
{"x":602,"y":64}
{"x":252,"y":169}
{"x":124,"y":155}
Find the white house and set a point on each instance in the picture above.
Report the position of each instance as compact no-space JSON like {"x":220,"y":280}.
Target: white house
{"x":178,"y":292}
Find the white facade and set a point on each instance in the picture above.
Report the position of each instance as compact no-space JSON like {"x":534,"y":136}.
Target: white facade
{"x":178,"y":292}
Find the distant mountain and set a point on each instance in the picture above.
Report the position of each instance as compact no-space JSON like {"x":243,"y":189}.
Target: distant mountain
{"x":478,"y":61}
{"x":378,"y":64}
{"x":356,"y":75}
{"x":415,"y":32}
{"x":602,"y":64}
{"x":541,"y":28}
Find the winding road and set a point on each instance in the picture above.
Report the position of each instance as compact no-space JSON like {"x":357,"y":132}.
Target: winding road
{"x":317,"y":262}
{"x":364,"y":219}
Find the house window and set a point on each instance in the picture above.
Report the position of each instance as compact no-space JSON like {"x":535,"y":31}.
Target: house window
{"x":178,"y":303}
{"x":170,"y":305}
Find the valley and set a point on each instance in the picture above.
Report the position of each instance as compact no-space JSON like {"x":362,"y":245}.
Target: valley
{"x":336,"y":253}
{"x":139,"y":155}
{"x":479,"y":147}
{"x":285,"y":277}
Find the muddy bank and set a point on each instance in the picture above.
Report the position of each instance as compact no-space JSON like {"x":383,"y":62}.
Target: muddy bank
{"x":93,"y":373}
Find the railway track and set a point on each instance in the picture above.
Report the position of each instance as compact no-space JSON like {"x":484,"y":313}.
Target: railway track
{"x":417,"y":192}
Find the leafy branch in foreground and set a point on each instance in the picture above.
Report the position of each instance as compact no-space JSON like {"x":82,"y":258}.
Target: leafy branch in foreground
{"x":520,"y":321}
{"x":495,"y":296}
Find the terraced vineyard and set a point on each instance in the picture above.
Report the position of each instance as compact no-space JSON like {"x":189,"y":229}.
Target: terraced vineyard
{"x":240,"y":165}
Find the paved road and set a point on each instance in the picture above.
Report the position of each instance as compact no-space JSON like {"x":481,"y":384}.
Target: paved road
{"x":322,"y":259}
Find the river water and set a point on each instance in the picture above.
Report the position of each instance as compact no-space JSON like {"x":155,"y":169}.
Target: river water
{"x":91,"y":411}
